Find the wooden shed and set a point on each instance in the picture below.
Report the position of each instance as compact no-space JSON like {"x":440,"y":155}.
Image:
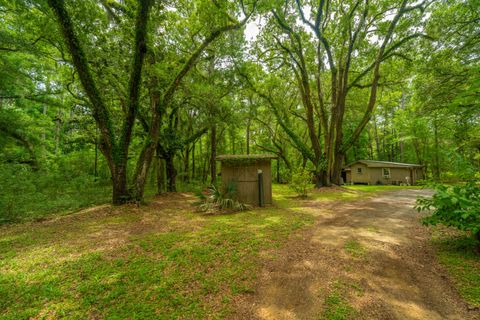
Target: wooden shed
{"x":242,"y":171}
{"x":382,"y":172}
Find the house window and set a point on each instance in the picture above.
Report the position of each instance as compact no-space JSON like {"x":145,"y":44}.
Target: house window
{"x":386,"y":173}
{"x":359,"y":170}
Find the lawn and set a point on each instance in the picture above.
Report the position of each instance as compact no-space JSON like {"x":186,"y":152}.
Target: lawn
{"x":379,"y":188}
{"x":157,"y":261}
{"x":456,"y":252}
{"x":162,"y":260}
{"x":353,"y":192}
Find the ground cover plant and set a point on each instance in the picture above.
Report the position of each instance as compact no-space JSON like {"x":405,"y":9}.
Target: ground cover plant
{"x":455,"y":206}
{"x":30,"y":195}
{"x":162,"y":260}
{"x":215,"y":200}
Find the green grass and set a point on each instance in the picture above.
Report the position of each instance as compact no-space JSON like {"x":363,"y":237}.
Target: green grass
{"x":154,"y":262}
{"x":336,"y":304}
{"x":374,"y":189}
{"x":457,"y":253}
{"x":284,"y":192}
{"x":338,"y":308}
{"x":351,"y":192}
{"x":158,"y":261}
{"x":355,"y":249}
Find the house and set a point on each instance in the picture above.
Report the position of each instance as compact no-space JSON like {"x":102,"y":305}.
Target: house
{"x":382,"y":172}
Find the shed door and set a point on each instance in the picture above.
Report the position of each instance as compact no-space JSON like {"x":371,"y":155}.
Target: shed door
{"x":246,"y":181}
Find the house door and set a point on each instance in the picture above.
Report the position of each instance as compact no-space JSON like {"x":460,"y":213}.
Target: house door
{"x":344,"y":176}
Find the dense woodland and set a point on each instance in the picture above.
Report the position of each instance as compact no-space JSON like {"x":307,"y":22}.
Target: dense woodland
{"x":124,"y":99}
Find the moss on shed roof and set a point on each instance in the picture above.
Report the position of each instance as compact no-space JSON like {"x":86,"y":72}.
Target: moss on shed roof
{"x":244,"y":159}
{"x":245,"y":156}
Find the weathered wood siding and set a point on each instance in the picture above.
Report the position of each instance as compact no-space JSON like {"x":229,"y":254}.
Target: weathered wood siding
{"x":246,"y":179}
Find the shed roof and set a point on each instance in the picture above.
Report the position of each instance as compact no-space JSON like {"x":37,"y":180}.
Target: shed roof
{"x":245,"y":156}
{"x":384,"y":164}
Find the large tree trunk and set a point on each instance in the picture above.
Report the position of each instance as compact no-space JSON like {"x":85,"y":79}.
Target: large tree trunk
{"x":321,"y":179}
{"x":151,"y":146}
{"x":141,"y":172}
{"x":120,"y":193}
{"x":114,"y":147}
{"x":337,"y":168}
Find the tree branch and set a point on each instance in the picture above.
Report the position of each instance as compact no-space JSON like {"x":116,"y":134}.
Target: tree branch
{"x":136,"y":72}
{"x":194,"y":57}
{"x":100,"y":111}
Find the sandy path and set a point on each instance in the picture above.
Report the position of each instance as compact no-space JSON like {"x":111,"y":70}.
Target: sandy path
{"x":374,"y":253}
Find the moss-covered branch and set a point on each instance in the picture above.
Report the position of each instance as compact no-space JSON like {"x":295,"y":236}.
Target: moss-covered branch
{"x":100,"y":111}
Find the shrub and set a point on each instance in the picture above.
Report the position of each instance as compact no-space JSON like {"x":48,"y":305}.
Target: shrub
{"x":454,"y":206}
{"x":214,"y":199}
{"x":300,"y":182}
{"x":28,"y":195}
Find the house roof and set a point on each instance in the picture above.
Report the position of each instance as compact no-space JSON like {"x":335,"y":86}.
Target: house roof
{"x":384,"y":164}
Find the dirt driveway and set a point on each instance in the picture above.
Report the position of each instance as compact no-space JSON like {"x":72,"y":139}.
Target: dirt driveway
{"x":367,"y":259}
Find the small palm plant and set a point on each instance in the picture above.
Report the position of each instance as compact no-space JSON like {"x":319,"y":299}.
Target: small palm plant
{"x":214,"y":199}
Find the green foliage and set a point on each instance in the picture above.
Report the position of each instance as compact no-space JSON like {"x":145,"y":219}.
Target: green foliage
{"x":62,"y":188}
{"x":454,"y":206}
{"x":301,"y":182}
{"x":214,"y":200}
